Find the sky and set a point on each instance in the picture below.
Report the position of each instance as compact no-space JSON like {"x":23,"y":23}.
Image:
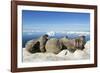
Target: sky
{"x":46,"y":21}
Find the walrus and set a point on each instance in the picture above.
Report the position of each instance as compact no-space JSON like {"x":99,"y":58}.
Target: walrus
{"x":37,"y":45}
{"x":73,"y":44}
{"x":80,"y":42}
{"x":53,"y":46}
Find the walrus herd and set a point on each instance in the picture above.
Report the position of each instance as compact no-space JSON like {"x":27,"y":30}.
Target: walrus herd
{"x":54,"y":45}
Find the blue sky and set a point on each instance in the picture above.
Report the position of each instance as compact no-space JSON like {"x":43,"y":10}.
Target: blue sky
{"x":45,"y":21}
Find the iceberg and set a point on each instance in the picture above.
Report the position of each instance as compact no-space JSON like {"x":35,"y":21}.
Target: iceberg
{"x":78,"y":33}
{"x":51,"y":33}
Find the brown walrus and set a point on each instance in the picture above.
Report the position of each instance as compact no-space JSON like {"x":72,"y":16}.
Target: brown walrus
{"x":38,"y":45}
{"x":73,"y":44}
{"x":53,"y":46}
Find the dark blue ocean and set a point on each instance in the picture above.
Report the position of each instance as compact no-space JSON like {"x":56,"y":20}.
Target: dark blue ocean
{"x":26,"y":37}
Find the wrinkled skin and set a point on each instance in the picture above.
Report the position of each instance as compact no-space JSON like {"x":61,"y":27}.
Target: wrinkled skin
{"x":38,"y":45}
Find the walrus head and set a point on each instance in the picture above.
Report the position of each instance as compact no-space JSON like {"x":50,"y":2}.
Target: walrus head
{"x":43,"y":39}
{"x":80,"y":42}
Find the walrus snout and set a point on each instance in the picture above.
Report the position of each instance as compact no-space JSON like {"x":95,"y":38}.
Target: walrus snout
{"x":80,"y":47}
